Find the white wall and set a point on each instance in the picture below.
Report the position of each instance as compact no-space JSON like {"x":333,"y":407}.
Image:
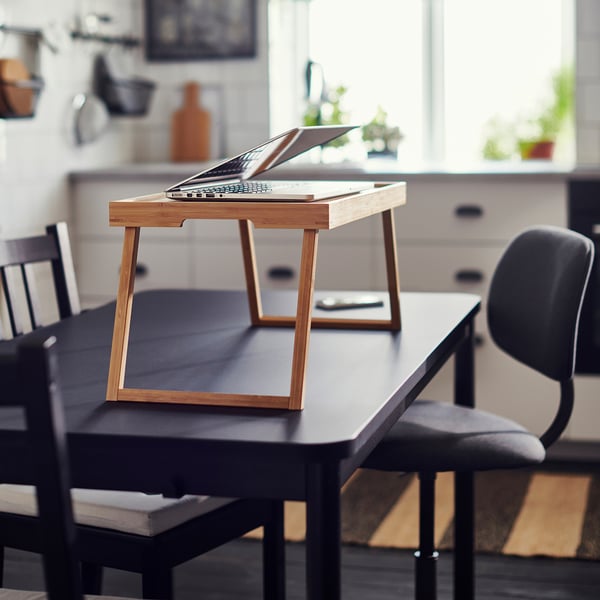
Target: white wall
{"x":588,"y":81}
{"x":38,"y":153}
{"x":235,"y":91}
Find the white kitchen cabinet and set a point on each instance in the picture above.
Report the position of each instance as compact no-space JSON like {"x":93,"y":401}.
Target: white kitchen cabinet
{"x":205,"y":253}
{"x":450,"y":236}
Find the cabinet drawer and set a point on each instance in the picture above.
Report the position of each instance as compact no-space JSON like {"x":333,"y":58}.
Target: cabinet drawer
{"x":489,"y":211}
{"x":159,"y":264}
{"x":443,"y":268}
{"x":217,"y":265}
{"x":90,"y":208}
{"x":339,"y":266}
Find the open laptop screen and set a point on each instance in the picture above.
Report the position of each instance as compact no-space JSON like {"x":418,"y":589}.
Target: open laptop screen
{"x":271,"y":153}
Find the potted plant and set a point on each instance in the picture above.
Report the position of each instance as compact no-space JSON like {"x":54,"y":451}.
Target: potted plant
{"x":329,"y":112}
{"x":552,"y":118}
{"x":534,"y":137}
{"x":499,"y":136}
{"x":380,"y":138}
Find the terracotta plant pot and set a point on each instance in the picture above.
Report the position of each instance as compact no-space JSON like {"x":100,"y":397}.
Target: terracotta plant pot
{"x":538,"y":150}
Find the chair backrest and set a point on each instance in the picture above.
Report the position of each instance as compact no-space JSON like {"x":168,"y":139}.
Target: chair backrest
{"x":534,"y":304}
{"x":29,"y":380}
{"x":18,"y":283}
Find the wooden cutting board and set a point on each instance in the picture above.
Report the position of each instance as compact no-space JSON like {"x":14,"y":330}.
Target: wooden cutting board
{"x":190,"y":128}
{"x":14,"y":101}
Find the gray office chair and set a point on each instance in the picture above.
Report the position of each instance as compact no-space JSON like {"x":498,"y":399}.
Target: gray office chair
{"x":132,"y":531}
{"x":533,"y":311}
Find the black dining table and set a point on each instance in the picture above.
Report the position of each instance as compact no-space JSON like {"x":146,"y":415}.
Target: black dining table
{"x":358,"y":383}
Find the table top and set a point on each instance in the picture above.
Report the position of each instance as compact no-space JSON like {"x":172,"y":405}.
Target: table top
{"x":156,"y":210}
{"x":358,"y":383}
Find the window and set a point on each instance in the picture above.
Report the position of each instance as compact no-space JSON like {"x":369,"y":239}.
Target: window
{"x":442,"y":70}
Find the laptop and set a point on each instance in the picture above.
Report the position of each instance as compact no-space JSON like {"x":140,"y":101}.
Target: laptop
{"x":232,"y":179}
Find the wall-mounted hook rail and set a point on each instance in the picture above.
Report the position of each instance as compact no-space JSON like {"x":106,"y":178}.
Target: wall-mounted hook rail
{"x":122,"y":40}
{"x":36,"y":34}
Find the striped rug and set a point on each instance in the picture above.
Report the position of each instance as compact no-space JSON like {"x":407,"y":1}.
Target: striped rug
{"x":518,"y":512}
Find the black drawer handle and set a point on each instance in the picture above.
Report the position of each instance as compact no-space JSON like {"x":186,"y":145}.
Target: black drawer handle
{"x":281,"y":273}
{"x":468,"y":211}
{"x":478,"y":340}
{"x":141,"y":270}
{"x":468,"y":276}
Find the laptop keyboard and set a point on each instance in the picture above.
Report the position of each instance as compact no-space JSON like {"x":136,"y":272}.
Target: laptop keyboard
{"x":247,"y":187}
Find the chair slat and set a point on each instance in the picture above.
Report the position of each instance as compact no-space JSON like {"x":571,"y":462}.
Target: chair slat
{"x":19,"y":292}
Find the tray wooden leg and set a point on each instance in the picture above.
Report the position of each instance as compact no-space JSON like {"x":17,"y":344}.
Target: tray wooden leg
{"x":118,"y":355}
{"x":391,"y":264}
{"x":306,"y":286}
{"x":252,"y":282}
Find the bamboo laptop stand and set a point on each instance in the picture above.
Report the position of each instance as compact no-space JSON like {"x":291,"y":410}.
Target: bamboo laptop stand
{"x":157,"y":211}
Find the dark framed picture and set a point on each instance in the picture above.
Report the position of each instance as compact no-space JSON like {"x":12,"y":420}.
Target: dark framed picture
{"x":200,"y":29}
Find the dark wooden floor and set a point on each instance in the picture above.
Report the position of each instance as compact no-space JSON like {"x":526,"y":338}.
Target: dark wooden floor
{"x":234,"y":572}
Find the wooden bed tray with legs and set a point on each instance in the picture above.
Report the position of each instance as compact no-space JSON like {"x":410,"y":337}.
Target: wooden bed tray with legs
{"x":158,"y":211}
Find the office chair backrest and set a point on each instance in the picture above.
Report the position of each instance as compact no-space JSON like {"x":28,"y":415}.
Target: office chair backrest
{"x":18,"y":285}
{"x":535,"y":298}
{"x":29,"y":379}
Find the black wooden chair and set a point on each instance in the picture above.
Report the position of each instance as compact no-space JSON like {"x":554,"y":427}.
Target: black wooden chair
{"x":148,"y":534}
{"x":533,"y":311}
{"x":29,"y":381}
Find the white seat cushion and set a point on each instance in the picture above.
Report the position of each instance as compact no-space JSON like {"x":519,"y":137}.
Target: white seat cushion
{"x":131,"y":512}
{"x":6,"y":594}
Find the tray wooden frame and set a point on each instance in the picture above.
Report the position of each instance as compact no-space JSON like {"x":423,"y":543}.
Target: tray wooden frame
{"x":157,"y":211}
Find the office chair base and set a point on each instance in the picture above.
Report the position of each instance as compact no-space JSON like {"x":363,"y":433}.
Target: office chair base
{"x":425,"y":576}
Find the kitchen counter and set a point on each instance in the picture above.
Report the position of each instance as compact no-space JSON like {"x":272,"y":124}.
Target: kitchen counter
{"x":373,"y":169}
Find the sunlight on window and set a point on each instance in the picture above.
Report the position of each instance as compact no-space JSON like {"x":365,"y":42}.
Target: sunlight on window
{"x":497,"y":64}
{"x":377,"y":55}
{"x":499,"y":61}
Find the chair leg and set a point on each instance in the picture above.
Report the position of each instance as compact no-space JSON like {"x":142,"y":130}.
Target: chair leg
{"x":426,"y":557}
{"x":274,"y":554}
{"x":157,"y":582}
{"x":1,"y":566}
{"x":464,"y":536}
{"x":91,"y":578}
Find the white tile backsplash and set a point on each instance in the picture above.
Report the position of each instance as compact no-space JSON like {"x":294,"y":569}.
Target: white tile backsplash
{"x":588,"y":17}
{"x":588,"y":103}
{"x":588,"y":81}
{"x":588,"y":59}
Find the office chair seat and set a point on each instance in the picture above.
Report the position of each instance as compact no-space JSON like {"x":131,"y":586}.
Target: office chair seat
{"x":436,"y":436}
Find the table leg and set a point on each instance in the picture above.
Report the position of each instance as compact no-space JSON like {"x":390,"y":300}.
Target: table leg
{"x":274,"y":554}
{"x":250,"y":272}
{"x":306,"y":286}
{"x":323,"y":533}
{"x":118,"y":354}
{"x":391,"y":264}
{"x":464,"y":502}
